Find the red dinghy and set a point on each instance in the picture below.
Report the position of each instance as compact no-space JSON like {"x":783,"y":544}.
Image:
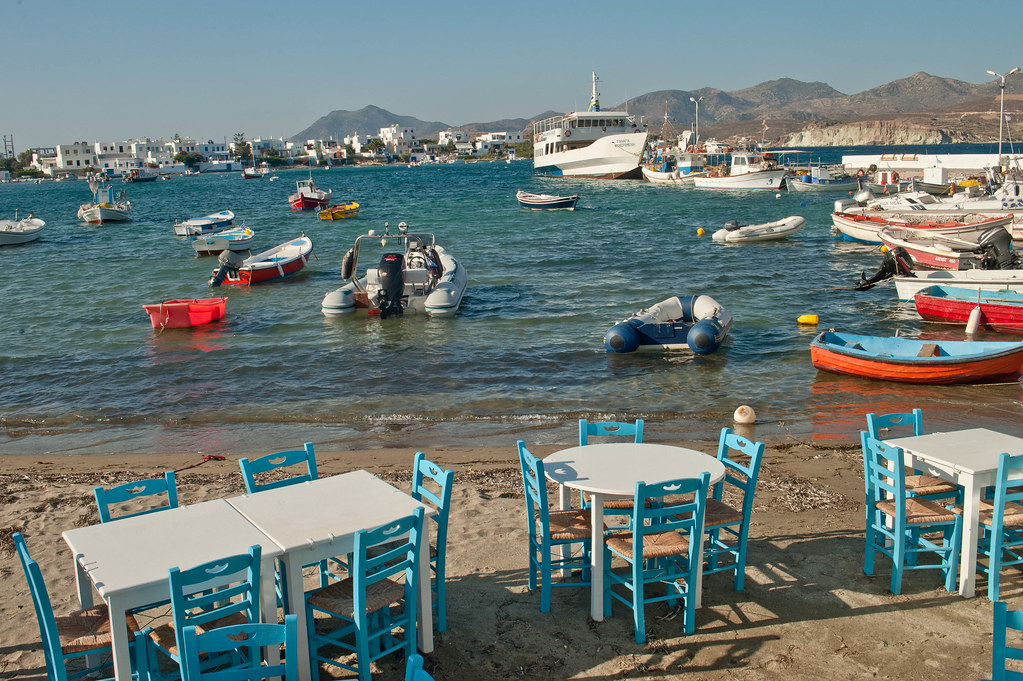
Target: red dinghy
{"x":999,"y":310}
{"x":308,"y":197}
{"x":278,"y":262}
{"x":180,"y":314}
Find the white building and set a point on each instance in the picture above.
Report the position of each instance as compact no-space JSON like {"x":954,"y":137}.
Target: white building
{"x":398,"y":140}
{"x":282,"y":147}
{"x":77,"y":155}
{"x":446,"y":137}
{"x":491,"y":142}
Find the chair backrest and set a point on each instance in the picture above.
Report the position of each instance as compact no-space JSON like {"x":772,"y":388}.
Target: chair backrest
{"x":885,"y":475}
{"x":44,"y":611}
{"x":742,"y":476}
{"x":216,"y":589}
{"x":1008,"y":488}
{"x":132,"y":491}
{"x":670,"y":505}
{"x":272,"y":462}
{"x":600,"y":429}
{"x":232,"y":638}
{"x":876,"y":423}
{"x":432,"y":484}
{"x":414,"y":669}
{"x":1001,"y":651}
{"x":397,"y":555}
{"x":534,"y":482}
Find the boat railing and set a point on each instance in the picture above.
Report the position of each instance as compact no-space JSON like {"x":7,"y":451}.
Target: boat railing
{"x":420,"y":241}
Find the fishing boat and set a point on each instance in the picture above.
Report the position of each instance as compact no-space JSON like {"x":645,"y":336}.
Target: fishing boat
{"x":594,"y":143}
{"x":419,"y":277}
{"x":997,"y":310}
{"x":278,"y":262}
{"x":180,"y":314}
{"x":546,"y":201}
{"x":308,"y":197}
{"x":341,"y":211}
{"x":733,"y":232}
{"x":908,"y":285}
{"x":670,"y":164}
{"x":821,"y":179}
{"x":13,"y":232}
{"x":911,"y":360}
{"x":111,"y":210}
{"x":140,"y":175}
{"x":865,"y":227}
{"x":934,"y":249}
{"x":234,"y":239}
{"x":698,"y":323}
{"x":748,"y":169}
{"x":214,"y":222}
{"x":251,"y":173}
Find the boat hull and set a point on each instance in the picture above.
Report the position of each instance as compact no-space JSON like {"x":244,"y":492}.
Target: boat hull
{"x":760,"y":180}
{"x":205,"y":225}
{"x":866,"y":228}
{"x":340,"y":212}
{"x":546,"y":201}
{"x":976,"y":280}
{"x":308,"y":202}
{"x":1002,"y":311}
{"x":180,"y":314}
{"x":769,"y":231}
{"x":799,"y":185}
{"x":696,"y":323}
{"x":13,"y":232}
{"x":277,"y":263}
{"x":612,"y":157}
{"x":97,"y":213}
{"x":238,"y":239}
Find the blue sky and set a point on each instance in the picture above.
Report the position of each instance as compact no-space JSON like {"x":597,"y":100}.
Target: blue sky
{"x":76,"y":70}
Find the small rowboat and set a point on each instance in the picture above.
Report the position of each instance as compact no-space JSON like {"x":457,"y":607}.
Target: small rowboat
{"x":180,"y":314}
{"x":999,"y":310}
{"x":20,"y":231}
{"x":865,"y":228}
{"x":276,"y":263}
{"x":341,"y":211}
{"x":936,"y":250}
{"x":204,"y":225}
{"x":732,"y":232}
{"x":909,"y":360}
{"x":546,"y":201}
{"x":234,"y":239}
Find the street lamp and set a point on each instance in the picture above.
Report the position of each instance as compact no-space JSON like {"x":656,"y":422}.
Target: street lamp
{"x":696,"y":144}
{"x":1001,"y":107}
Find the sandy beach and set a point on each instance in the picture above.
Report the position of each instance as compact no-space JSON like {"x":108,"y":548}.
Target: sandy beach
{"x":807,"y":612}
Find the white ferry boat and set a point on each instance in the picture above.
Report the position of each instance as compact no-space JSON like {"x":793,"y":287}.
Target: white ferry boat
{"x":594,"y":143}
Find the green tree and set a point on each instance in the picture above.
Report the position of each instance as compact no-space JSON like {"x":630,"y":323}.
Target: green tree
{"x":241,"y":148}
{"x":25,"y":158}
{"x":190,"y":160}
{"x":524,"y":150}
{"x":375,"y":145}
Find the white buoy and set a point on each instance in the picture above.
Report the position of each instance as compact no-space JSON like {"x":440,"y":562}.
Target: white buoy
{"x":745,"y":414}
{"x":973,"y":323}
{"x":778,"y":195}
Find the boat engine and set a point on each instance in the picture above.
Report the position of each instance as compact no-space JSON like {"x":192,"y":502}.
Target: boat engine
{"x":732,"y":225}
{"x":229,"y":262}
{"x":392,"y":284}
{"x":996,"y":246}
{"x":896,"y":262}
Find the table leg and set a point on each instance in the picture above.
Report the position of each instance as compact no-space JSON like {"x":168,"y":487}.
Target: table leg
{"x":971,"y":527}
{"x":119,"y":640}
{"x":565,"y":503}
{"x":425,"y":597}
{"x":307,"y":670}
{"x":597,"y":557}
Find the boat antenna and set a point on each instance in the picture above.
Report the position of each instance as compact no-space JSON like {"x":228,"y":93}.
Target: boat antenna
{"x":594,"y":96}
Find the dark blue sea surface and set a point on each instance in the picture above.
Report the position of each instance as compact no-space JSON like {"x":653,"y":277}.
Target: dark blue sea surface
{"x":85,"y":373}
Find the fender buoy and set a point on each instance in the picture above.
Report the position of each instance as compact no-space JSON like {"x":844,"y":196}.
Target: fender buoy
{"x":895,"y":177}
{"x":860,"y":173}
{"x":568,"y":133}
{"x":689,"y":149}
{"x":346,"y":264}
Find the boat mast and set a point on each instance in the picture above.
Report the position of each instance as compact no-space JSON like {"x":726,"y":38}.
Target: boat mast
{"x":594,"y":101}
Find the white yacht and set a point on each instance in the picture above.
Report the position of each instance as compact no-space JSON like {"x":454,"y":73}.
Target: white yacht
{"x":593,"y":143}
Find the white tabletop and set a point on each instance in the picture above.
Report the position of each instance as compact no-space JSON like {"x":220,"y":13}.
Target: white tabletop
{"x":973,"y":450}
{"x":615,"y":468}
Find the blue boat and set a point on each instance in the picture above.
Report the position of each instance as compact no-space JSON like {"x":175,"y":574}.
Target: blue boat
{"x":696,"y":323}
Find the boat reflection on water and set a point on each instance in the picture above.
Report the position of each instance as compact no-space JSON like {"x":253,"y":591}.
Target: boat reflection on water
{"x":181,"y":345}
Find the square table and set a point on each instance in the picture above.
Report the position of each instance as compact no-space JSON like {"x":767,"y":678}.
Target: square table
{"x":612,"y":470}
{"x":318,"y":519}
{"x":128,"y":560}
{"x":968,"y":458}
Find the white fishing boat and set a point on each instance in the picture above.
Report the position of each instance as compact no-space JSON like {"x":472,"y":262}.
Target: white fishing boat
{"x":594,"y":143}
{"x":234,"y":239}
{"x":546,"y":201}
{"x":748,"y":170}
{"x":669,"y":164}
{"x":866,"y":227}
{"x":205,"y":225}
{"x":21,"y":231}
{"x":420,"y":277}
{"x":733,"y":232}
{"x":907,"y":286}
{"x":821,"y":179}
{"x":112,"y":210}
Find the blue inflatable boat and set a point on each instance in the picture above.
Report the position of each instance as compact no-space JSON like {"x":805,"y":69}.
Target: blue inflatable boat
{"x":696,"y":323}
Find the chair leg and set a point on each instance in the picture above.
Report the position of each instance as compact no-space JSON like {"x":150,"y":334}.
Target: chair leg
{"x":607,"y":583}
{"x":898,"y":561}
{"x":442,"y":615}
{"x":954,"y":547}
{"x":545,"y":578}
{"x":868,"y":556}
{"x":637,"y":599}
{"x":314,"y":646}
{"x":740,"y":560}
{"x":362,"y":629}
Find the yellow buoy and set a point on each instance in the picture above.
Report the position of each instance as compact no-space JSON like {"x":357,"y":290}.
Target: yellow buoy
{"x":700,"y":232}
{"x":808,"y":319}
{"x":884,"y":249}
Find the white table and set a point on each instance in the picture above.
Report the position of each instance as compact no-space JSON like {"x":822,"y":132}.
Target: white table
{"x":315,"y":520}
{"x":612,"y":470}
{"x":968,"y":458}
{"x":128,"y":560}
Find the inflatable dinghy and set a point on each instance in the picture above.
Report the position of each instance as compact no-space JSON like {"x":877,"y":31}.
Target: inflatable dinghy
{"x":696,"y":323}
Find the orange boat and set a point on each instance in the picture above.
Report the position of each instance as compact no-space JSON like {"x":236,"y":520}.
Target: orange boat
{"x":340,"y":211}
{"x":911,"y":360}
{"x":180,"y":314}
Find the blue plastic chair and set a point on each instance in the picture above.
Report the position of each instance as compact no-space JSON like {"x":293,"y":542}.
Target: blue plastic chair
{"x":728,"y":528}
{"x":1001,"y":524}
{"x":602,"y":429}
{"x":277,"y":460}
{"x":372,"y":603}
{"x":85,"y":632}
{"x":1001,"y":651}
{"x":912,"y":519}
{"x":414,"y":669}
{"x":432,"y":484}
{"x":662,"y":549}
{"x":219,"y":593}
{"x":550,"y":530}
{"x":228,"y":642}
{"x":130,"y":491}
{"x":918,"y":484}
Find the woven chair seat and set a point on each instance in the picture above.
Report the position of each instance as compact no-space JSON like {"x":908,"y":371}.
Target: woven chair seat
{"x":614,"y":502}
{"x":340,"y":599}
{"x":570,"y":524}
{"x":1013,"y":516}
{"x":719,"y":513}
{"x":163,"y":635}
{"x":88,"y":629}
{"x":657,"y":545}
{"x":920,"y":511}
{"x":929,"y":484}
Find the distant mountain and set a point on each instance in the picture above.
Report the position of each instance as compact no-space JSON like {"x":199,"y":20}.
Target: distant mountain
{"x":367,"y":120}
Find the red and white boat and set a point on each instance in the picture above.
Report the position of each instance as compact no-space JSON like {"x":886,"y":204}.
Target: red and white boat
{"x":308,"y":197}
{"x":865,"y":228}
{"x":937,"y":249}
{"x":998,"y":310}
{"x":180,"y":314}
{"x":278,"y":262}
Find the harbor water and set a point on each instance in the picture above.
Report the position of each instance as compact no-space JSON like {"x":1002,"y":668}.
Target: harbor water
{"x":85,"y":373}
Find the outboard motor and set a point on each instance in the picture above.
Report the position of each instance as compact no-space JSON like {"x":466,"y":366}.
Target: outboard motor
{"x":732,"y":225}
{"x":392,"y":284}
{"x":229,"y":262}
{"x":996,"y":245}
{"x":896,"y":262}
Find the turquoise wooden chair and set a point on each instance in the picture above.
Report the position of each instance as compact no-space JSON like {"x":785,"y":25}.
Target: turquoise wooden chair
{"x":918,"y":484}
{"x":432,"y":484}
{"x":414,"y":669}
{"x":912,"y":520}
{"x":661,"y":550}
{"x":67,"y":637}
{"x":605,"y":429}
{"x":1001,"y":523}
{"x":131,"y":491}
{"x":376,"y":600}
{"x":218,"y":593}
{"x":727,"y":527}
{"x":550,"y":530}
{"x":229,"y":642}
{"x":1001,"y":651}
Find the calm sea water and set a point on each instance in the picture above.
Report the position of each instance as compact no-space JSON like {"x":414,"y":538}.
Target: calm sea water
{"x":84,"y":372}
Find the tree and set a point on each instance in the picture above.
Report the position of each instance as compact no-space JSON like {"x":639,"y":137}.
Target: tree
{"x":25,"y":158}
{"x":241,"y":148}
{"x":524,"y":150}
{"x":190,"y":160}
{"x":375,"y":145}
